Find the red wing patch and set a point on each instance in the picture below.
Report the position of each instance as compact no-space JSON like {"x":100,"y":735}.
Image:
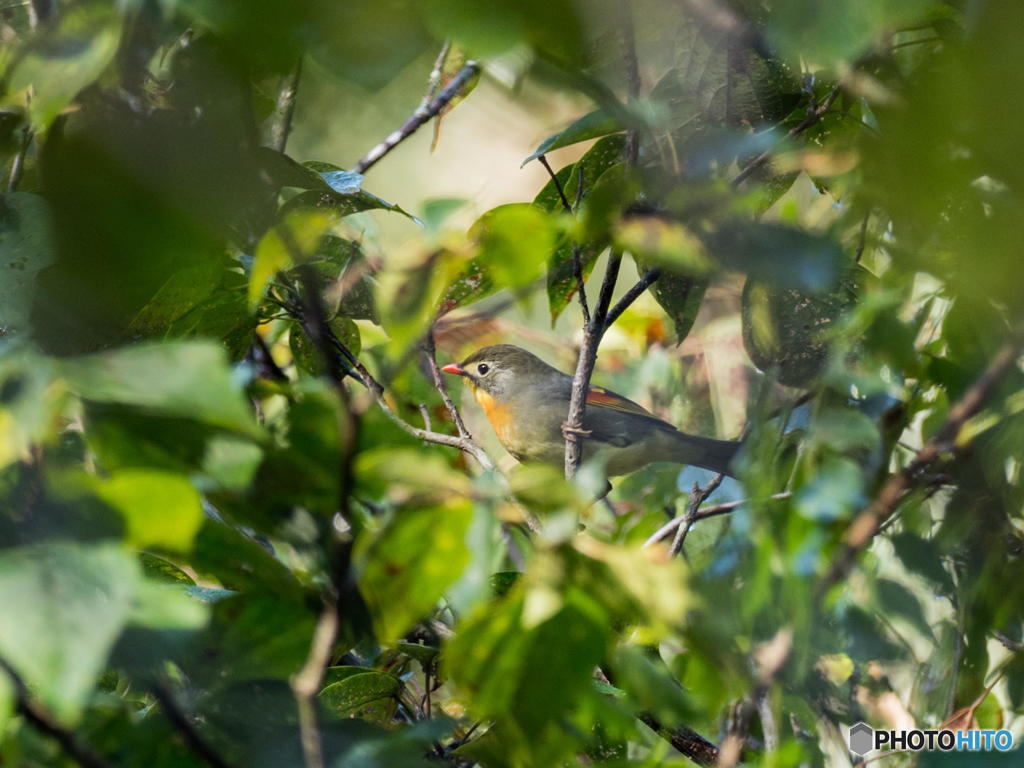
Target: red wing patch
{"x":606,"y":399}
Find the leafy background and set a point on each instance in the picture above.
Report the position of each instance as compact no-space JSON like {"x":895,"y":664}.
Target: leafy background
{"x":242,"y":522}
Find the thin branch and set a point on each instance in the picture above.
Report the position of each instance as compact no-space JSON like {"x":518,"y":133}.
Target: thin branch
{"x":814,"y":114}
{"x":697,"y":497}
{"x":566,"y":206}
{"x":419,"y":117}
{"x":702,"y":514}
{"x":864,"y":527}
{"x":645,"y":282}
{"x":284,"y":110}
{"x":193,"y":739}
{"x":44,"y":722}
{"x":430,"y":353}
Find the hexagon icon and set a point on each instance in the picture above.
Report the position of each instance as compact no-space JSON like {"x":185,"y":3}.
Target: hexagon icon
{"x":861,"y":738}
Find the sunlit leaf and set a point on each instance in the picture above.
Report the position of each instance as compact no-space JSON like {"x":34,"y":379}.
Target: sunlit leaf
{"x":161,"y":509}
{"x":590,"y":126}
{"x":292,"y":241}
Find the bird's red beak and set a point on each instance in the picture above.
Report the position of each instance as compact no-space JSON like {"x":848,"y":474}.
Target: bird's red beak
{"x":453,"y":368}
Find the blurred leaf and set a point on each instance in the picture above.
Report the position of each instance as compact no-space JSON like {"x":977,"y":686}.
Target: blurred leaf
{"x":182,"y":378}
{"x":663,"y":243}
{"x":782,"y":256}
{"x":408,"y":566}
{"x":71,"y":601}
{"x":157,"y":569}
{"x":922,"y":556}
{"x":292,"y":241}
{"x":65,"y":58}
{"x":897,"y":601}
{"x":167,"y":607}
{"x":836,"y":490}
{"x":240,"y":563}
{"x":31,"y":399}
{"x":590,"y":126}
{"x":26,"y":246}
{"x":162,"y":510}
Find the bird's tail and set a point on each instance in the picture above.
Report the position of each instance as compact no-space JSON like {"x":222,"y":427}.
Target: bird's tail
{"x":706,"y":452}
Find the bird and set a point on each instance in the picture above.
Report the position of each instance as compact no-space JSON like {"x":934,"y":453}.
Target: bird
{"x":527,"y":401}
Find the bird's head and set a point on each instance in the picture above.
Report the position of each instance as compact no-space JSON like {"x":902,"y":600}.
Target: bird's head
{"x":500,"y":369}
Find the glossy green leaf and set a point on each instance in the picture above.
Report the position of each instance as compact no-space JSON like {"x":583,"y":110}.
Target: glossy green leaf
{"x":347,"y":697}
{"x":591,"y":126}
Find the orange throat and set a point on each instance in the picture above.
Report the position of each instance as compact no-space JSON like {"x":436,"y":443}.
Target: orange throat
{"x":499,"y":414}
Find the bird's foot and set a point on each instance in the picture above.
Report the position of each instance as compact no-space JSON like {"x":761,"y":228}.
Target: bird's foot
{"x":568,"y":431}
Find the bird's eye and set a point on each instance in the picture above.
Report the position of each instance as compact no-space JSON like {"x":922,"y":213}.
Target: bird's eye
{"x":483,"y":368}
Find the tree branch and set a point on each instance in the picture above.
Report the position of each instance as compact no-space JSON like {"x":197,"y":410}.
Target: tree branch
{"x":686,"y":740}
{"x":645,"y":282}
{"x":869,"y":521}
{"x":44,"y":722}
{"x":814,"y":114}
{"x":419,"y":117}
{"x":195,"y":740}
{"x":697,"y":497}
{"x":702,"y":514}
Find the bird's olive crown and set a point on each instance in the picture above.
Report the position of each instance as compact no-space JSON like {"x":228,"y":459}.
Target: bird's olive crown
{"x":494,"y":368}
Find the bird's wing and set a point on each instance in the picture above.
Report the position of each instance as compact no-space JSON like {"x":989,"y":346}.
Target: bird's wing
{"x":615,"y":419}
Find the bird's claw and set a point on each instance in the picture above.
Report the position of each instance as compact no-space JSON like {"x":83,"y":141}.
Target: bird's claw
{"x":568,"y":430}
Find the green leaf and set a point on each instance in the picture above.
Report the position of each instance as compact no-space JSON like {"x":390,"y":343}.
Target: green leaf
{"x":307,"y":357}
{"x":409,"y":565}
{"x":157,"y":569}
{"x":179,"y":378}
{"x":65,"y":59}
{"x":71,"y":601}
{"x":26,"y":246}
{"x":590,"y":126}
{"x":783,"y":256}
{"x":663,"y":243}
{"x":339,"y":190}
{"x":352,"y":695}
{"x":161,"y":509}
{"x":680,"y":296}
{"x":292,"y":241}
{"x":896,"y":601}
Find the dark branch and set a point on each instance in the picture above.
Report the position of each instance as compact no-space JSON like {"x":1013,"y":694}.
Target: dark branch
{"x":814,"y":114}
{"x":193,"y":739}
{"x":686,"y":740}
{"x":44,"y":722}
{"x":419,"y":117}
{"x":702,"y":514}
{"x":645,"y":282}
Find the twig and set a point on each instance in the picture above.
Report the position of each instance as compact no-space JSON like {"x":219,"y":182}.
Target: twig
{"x":577,"y":261}
{"x":702,"y":514}
{"x":867,"y":523}
{"x":44,"y":722}
{"x":284,"y":109}
{"x":193,"y":739}
{"x":645,"y":282}
{"x":814,"y":114}
{"x":419,"y":117}
{"x":430,"y":353}
{"x":697,"y":497}
{"x":306,"y":684}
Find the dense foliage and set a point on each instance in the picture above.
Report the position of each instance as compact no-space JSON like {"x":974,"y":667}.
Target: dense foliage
{"x":241,"y":520}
